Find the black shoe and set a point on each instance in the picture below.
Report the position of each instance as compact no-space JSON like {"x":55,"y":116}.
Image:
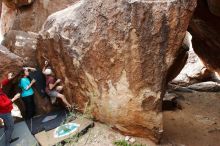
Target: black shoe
{"x":14,"y":139}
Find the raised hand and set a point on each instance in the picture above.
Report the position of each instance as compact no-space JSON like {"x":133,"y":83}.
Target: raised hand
{"x":10,"y":76}
{"x":46,"y":63}
{"x":58,"y":81}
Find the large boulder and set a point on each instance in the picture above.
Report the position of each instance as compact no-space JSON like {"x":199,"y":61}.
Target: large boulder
{"x":9,"y":62}
{"x":22,"y":44}
{"x":113,"y":57}
{"x":30,"y":17}
{"x":205,"y":29}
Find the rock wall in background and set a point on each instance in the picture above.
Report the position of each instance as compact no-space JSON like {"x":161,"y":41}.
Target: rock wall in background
{"x":194,"y":70}
{"x":22,"y":44}
{"x":31,"y":16}
{"x":115,"y":55}
{"x":9,"y":62}
{"x":17,"y":3}
{"x":205,"y":30}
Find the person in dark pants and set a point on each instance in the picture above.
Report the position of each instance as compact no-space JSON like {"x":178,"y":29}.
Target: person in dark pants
{"x":27,"y":94}
{"x":5,"y":111}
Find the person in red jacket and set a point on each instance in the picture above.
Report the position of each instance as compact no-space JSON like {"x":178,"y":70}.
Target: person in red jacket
{"x":5,"y":111}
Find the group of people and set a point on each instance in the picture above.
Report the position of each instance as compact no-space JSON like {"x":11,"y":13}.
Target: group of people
{"x":53,"y":90}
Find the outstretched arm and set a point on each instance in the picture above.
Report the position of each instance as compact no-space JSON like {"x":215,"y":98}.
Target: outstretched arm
{"x":18,"y":95}
{"x":31,"y":69}
{"x":6,"y":81}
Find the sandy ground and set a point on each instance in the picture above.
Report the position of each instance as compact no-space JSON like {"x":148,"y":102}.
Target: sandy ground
{"x":197,"y":124}
{"x":102,"y":135}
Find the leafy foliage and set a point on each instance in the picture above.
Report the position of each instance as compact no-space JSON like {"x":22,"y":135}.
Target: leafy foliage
{"x":125,"y":143}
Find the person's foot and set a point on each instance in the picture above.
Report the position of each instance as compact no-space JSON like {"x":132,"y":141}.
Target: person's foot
{"x":14,"y":139}
{"x":70,"y":108}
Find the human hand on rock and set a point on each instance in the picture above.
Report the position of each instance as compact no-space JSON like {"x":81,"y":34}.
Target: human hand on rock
{"x":10,"y":76}
{"x":46,"y":63}
{"x":58,"y":81}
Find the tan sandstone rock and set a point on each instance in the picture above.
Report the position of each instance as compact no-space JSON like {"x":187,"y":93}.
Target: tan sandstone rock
{"x":17,"y":3}
{"x":22,"y":44}
{"x":30,"y":17}
{"x":113,"y":56}
{"x":9,"y":62}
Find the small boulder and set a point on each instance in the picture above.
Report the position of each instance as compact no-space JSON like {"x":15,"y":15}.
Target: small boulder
{"x":209,"y":86}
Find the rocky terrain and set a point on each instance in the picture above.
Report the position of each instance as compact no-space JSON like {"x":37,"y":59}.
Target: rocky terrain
{"x":117,"y":59}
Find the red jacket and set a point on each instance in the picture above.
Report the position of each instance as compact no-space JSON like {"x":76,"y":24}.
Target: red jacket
{"x":5,"y":102}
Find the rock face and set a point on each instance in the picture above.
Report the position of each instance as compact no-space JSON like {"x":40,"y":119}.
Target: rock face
{"x":113,"y":56}
{"x":194,"y":70}
{"x":32,"y":16}
{"x":17,"y":3}
{"x":214,"y":7}
{"x":205,"y":29}
{"x":22,"y":44}
{"x":9,"y":62}
{"x":180,"y":59}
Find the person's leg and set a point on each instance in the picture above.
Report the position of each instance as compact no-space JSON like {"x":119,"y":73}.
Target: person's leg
{"x":59,"y":88}
{"x":9,"y":127}
{"x":32,"y":106}
{"x":29,"y":106}
{"x":26,"y":104}
{"x":63,"y":98}
{"x":53,"y":96}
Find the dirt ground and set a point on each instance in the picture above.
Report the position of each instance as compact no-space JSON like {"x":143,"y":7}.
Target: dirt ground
{"x":197,"y":124}
{"x":102,"y":135}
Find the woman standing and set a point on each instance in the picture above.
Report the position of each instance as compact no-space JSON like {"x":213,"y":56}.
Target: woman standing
{"x":27,"y":94}
{"x":5,"y":111}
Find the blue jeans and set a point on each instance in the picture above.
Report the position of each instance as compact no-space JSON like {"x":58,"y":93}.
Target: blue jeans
{"x":9,"y":127}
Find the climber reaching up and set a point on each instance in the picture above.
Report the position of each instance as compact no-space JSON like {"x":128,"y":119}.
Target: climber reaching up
{"x":52,"y":86}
